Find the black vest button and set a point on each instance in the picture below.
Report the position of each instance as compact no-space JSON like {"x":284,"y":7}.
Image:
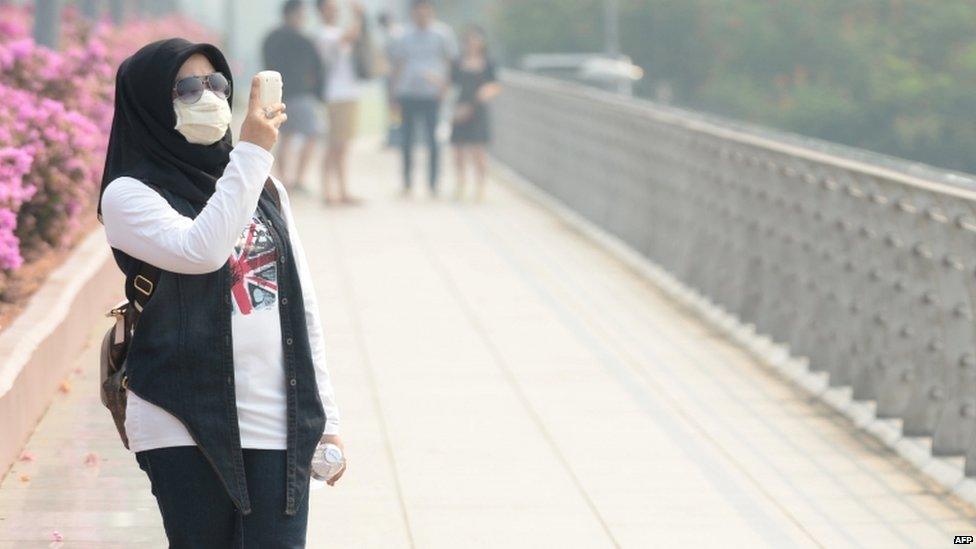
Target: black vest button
{"x":288,"y":341}
{"x":293,"y":382}
{"x":284,"y":301}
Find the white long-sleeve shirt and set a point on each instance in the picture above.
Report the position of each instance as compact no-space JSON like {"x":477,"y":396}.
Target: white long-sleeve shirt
{"x":141,"y":223}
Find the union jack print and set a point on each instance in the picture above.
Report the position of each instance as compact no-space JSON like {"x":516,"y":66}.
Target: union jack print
{"x":254,"y":273}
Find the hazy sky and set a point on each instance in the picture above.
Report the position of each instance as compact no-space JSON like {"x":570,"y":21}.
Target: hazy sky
{"x":254,"y":18}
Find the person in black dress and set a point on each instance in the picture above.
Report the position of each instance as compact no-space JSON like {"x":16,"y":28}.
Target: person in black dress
{"x":474,"y":75}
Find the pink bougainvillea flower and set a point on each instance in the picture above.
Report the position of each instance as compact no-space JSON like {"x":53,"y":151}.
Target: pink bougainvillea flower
{"x":10,"y":257}
{"x":54,"y":124}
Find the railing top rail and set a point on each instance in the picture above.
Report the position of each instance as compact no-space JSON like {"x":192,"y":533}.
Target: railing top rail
{"x":933,"y":180}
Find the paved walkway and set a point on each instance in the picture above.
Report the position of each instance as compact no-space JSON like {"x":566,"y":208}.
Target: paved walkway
{"x":505,"y":383}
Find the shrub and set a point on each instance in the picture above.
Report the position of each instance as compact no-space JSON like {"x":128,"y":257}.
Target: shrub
{"x":54,"y":125}
{"x":64,"y":146}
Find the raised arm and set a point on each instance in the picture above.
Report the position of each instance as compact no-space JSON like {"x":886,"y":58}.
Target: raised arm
{"x":355,"y":30}
{"x":141,"y":223}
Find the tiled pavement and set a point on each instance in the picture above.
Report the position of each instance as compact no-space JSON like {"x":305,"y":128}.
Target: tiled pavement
{"x":505,"y":383}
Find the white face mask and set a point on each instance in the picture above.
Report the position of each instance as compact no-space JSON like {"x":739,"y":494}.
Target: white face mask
{"x":204,"y":122}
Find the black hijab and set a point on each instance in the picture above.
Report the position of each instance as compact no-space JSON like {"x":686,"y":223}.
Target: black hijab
{"x":143,"y":143}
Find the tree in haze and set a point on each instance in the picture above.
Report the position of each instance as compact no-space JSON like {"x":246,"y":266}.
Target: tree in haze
{"x":893,"y":76}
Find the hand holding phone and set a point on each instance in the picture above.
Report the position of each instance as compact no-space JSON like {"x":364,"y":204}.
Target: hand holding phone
{"x":264,"y":114}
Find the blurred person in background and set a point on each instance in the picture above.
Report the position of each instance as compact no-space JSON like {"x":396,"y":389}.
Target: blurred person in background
{"x":474,"y":76}
{"x":420,"y":77}
{"x":222,"y":420}
{"x":291,"y":53}
{"x":390,"y":32}
{"x":335,"y":45}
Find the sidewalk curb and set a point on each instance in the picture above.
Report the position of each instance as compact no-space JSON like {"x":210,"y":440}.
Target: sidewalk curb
{"x":946,"y":472}
{"x":37,"y":349}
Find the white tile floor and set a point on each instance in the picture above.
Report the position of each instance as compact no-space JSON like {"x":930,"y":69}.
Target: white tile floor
{"x":505,"y":383}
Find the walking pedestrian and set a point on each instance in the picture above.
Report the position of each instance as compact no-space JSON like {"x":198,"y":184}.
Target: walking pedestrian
{"x":228,"y":393}
{"x":335,"y":45}
{"x":474,"y":76}
{"x":421,"y":78}
{"x":288,"y":51}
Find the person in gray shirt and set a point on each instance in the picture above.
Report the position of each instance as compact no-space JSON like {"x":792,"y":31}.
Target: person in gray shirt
{"x":420,"y":79}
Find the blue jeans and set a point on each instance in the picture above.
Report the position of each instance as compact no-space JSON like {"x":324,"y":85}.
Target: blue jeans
{"x":197,"y":512}
{"x":425,"y":110}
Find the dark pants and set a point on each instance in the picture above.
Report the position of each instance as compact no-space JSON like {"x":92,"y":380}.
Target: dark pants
{"x":197,"y":513}
{"x":426,"y":111}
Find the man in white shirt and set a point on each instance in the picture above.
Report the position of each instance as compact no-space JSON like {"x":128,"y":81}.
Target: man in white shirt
{"x":335,"y":45}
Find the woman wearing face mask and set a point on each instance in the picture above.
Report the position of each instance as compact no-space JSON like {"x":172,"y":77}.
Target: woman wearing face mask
{"x":228,"y":392}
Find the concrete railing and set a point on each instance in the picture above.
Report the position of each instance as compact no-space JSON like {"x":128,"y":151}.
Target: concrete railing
{"x":865,"y":265}
{"x":38,"y":350}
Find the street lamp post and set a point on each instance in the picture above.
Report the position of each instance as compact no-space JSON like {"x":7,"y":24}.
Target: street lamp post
{"x":47,"y":22}
{"x":230,"y":26}
{"x":89,"y":8}
{"x":166,"y":7}
{"x":117,"y":7}
{"x":611,"y":27}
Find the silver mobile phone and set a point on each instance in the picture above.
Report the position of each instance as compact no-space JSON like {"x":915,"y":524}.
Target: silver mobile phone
{"x":270,"y":90}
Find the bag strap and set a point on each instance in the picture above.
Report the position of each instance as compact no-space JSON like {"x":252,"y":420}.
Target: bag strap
{"x":138,"y":294}
{"x":142,"y":285}
{"x":275,"y":197}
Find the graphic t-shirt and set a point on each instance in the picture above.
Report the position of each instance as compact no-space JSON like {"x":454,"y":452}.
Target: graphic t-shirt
{"x":254,"y":272}
{"x":259,"y":375}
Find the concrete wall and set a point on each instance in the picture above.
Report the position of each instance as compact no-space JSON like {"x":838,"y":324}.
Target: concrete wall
{"x":38,"y":349}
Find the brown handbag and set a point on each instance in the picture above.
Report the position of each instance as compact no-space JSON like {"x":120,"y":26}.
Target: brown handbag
{"x":113,"y":381}
{"x":115,"y":347}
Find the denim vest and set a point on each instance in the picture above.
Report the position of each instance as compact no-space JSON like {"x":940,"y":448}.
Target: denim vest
{"x":180,"y":358}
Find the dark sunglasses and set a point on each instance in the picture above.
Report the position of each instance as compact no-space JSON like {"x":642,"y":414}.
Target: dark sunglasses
{"x":190,"y":89}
